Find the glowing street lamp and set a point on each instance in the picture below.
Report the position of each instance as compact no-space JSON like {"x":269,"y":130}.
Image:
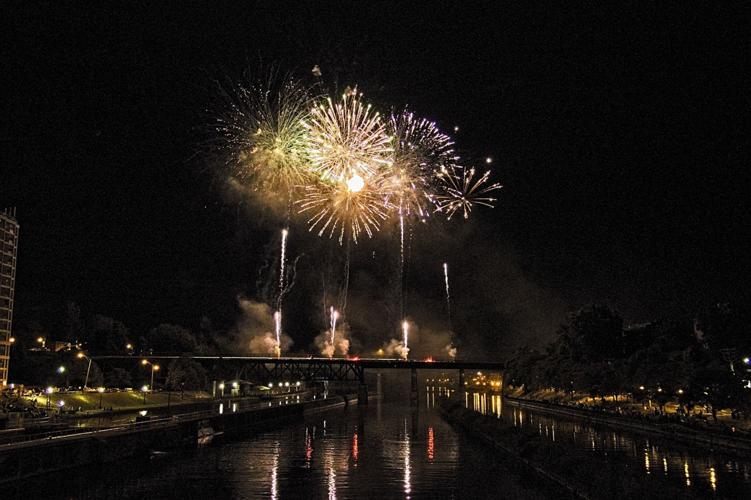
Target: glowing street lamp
{"x":154,"y":368}
{"x":100,"y":390}
{"x":81,"y":355}
{"x":42,"y":341}
{"x":49,"y":390}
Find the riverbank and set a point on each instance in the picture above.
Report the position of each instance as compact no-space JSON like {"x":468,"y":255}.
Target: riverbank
{"x":723,"y":441}
{"x":572,"y":471}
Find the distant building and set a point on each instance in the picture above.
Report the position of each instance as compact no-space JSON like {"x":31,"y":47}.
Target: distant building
{"x":8,"y":253}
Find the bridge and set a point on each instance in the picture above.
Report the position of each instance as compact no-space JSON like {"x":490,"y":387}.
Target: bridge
{"x":313,"y":369}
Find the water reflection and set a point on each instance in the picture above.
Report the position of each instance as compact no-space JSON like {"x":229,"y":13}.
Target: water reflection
{"x":700,"y":470}
{"x":274,"y":471}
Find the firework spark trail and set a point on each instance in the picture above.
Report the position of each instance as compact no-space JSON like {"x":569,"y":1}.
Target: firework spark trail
{"x":334,"y":317}
{"x":282,"y":264}
{"x":345,"y":285}
{"x":460,"y":191}
{"x":278,"y":332}
{"x":448,"y":295}
{"x":405,"y":338}
{"x":401,"y":262}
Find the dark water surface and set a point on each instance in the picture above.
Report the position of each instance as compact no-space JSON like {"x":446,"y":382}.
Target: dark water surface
{"x":384,"y":450}
{"x":710,"y":474}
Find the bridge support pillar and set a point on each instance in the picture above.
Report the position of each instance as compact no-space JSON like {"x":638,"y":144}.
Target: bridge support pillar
{"x":362,"y":394}
{"x":413,"y":401}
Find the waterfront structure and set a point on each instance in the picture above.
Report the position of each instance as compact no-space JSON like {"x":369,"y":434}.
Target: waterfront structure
{"x":8,"y":254}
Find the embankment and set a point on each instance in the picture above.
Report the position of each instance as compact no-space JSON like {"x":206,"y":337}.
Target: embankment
{"x":25,"y":459}
{"x":713,"y":441}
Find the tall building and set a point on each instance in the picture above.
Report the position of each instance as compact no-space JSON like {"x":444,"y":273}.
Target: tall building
{"x":8,"y":253}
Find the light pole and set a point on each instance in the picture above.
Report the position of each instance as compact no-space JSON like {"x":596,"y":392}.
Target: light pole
{"x":49,"y":392}
{"x":154,"y":368}
{"x":81,"y":355}
{"x":100,"y":390}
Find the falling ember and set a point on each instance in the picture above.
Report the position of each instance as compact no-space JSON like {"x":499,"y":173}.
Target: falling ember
{"x":405,"y":338}
{"x":448,"y":295}
{"x":278,"y":331}
{"x":334,"y":317}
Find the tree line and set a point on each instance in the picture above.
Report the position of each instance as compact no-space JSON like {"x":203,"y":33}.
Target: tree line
{"x":702,"y":360}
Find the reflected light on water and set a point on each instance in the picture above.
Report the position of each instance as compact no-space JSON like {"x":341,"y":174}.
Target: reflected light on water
{"x":407,"y":464}
{"x":274,"y":472}
{"x":332,"y":483}
{"x":309,"y":445}
{"x":355,"y":449}
{"x":713,"y":478}
{"x":431,"y":444}
{"x":687,"y":473}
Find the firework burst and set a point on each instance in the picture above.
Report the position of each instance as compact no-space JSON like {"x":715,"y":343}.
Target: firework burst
{"x":346,"y":208}
{"x":347,"y":138}
{"x":460,"y":191}
{"x":263,"y":130}
{"x":420,"y":151}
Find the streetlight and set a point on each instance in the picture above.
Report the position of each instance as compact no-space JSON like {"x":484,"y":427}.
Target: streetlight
{"x":100,"y":390}
{"x":49,"y":392}
{"x":81,"y":355}
{"x":221,"y":388}
{"x":43,"y":341}
{"x":144,"y":389}
{"x":12,"y":340}
{"x":154,"y":368}
{"x":61,"y":369}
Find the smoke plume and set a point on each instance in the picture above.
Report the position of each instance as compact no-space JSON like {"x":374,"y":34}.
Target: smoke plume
{"x":255,"y":329}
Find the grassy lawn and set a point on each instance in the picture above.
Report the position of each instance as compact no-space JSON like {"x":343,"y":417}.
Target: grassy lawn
{"x":117,"y":400}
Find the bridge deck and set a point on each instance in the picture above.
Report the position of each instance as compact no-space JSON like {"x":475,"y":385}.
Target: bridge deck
{"x":383,"y":363}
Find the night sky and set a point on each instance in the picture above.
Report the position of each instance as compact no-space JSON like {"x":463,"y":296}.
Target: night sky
{"x":620,"y":135}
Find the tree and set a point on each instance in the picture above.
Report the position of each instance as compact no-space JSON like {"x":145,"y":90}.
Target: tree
{"x":186,"y":374}
{"x":105,"y":335}
{"x":72,"y":324}
{"x":594,"y":333}
{"x":167,"y":338}
{"x":118,"y":377}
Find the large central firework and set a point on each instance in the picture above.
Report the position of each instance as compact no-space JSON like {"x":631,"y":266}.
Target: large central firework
{"x":346,"y":208}
{"x":347,"y":138}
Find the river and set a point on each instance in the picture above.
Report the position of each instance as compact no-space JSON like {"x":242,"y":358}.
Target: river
{"x":710,"y":474}
{"x":383,"y":450}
